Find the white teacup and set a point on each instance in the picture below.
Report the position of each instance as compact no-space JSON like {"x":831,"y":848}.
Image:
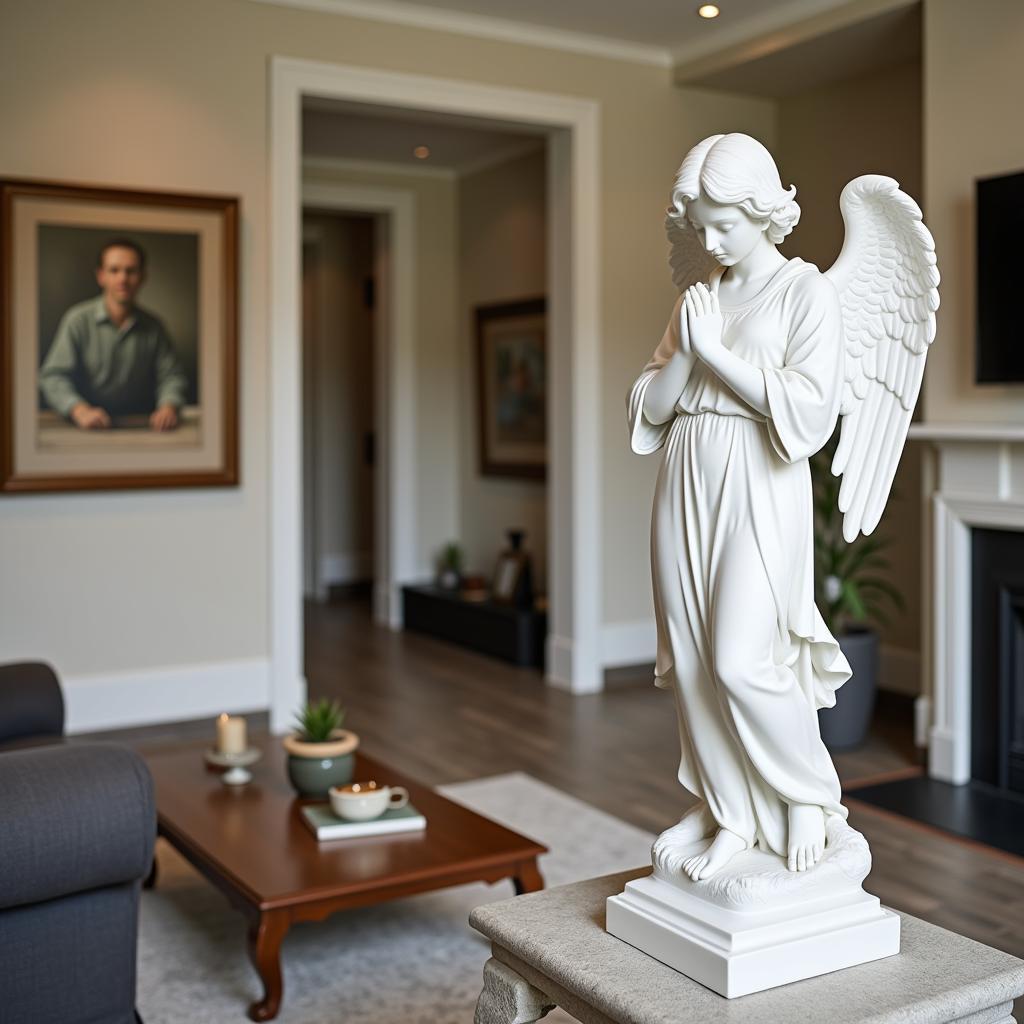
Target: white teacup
{"x":364,"y":801}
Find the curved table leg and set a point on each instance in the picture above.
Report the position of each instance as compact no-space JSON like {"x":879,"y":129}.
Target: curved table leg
{"x":265,"y":937}
{"x":509,"y":999}
{"x":528,"y":878}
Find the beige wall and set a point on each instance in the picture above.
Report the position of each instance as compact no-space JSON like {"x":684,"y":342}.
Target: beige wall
{"x":338,"y":400}
{"x":864,"y":125}
{"x":973,"y":92}
{"x":502,"y":258}
{"x":174,"y":96}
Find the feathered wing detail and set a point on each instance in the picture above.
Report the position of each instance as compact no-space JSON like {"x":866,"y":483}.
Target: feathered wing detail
{"x":689,"y":260}
{"x":887,"y":280}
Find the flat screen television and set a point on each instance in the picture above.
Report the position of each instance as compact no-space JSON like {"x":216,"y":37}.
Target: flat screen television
{"x":1000,"y":280}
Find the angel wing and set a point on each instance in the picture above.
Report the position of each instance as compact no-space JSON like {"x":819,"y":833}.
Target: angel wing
{"x":689,"y":260}
{"x":887,"y":280}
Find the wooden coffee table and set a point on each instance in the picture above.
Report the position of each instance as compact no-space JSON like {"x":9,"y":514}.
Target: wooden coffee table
{"x":252,"y":843}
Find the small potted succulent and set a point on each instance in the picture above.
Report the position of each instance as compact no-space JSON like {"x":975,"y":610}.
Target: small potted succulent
{"x":852,"y":596}
{"x":449,"y":567}
{"x":320,"y":753}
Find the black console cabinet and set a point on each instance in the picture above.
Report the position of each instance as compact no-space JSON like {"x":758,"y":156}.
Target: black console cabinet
{"x":513,"y":634}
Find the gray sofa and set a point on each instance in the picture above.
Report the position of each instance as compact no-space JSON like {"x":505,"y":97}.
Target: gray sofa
{"x":77,"y":825}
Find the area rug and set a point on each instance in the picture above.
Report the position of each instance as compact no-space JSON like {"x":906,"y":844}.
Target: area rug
{"x":413,"y":961}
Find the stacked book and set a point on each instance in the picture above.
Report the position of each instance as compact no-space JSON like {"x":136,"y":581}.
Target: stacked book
{"x":325,"y":824}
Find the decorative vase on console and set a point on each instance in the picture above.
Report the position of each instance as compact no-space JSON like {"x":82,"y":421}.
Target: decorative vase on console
{"x":513,"y":576}
{"x":759,"y":884}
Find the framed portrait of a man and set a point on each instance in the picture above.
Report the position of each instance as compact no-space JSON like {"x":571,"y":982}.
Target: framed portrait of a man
{"x":118,"y":345}
{"x":513,"y":388}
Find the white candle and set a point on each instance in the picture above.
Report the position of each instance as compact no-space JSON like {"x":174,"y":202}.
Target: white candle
{"x":231,"y":738}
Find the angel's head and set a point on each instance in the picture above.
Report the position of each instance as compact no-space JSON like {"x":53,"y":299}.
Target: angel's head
{"x":729,"y":190}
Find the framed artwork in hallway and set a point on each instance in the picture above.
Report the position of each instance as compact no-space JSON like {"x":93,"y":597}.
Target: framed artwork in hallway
{"x":512,"y":383}
{"x":118,"y":347}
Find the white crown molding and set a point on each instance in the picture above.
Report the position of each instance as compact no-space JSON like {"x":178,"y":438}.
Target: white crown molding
{"x":485,"y":27}
{"x":344,"y":163}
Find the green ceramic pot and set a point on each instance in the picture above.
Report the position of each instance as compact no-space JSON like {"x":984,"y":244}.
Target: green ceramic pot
{"x":313,"y":768}
{"x":312,"y":777}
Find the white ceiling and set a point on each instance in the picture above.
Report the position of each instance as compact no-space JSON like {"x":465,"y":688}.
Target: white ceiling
{"x":888,"y":39}
{"x":757,"y":46}
{"x":333,"y":130}
{"x":661,"y":32}
{"x":672,"y":24}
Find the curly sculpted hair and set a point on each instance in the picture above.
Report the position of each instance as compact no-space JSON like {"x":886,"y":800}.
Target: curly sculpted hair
{"x":736,"y":170}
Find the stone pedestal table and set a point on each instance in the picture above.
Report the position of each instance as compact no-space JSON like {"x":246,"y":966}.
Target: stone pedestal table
{"x":551,"y":948}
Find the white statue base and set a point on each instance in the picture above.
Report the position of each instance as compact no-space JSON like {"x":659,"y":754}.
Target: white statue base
{"x":756,"y":925}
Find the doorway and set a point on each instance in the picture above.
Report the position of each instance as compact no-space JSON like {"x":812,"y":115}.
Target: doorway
{"x":573,"y":654}
{"x":338,"y":298}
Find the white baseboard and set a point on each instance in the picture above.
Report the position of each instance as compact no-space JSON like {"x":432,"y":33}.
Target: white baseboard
{"x":125,"y":699}
{"x":347,"y":567}
{"x":558,"y":659}
{"x":899,"y":670}
{"x":622,"y":643}
{"x":943,"y":761}
{"x":628,"y":643}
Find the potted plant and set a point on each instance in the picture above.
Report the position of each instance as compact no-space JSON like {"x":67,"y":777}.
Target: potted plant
{"x":449,"y":568}
{"x":321,"y":754}
{"x":853,"y":597}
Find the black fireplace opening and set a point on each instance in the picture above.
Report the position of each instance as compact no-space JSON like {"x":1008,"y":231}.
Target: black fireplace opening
{"x":997,"y":660}
{"x":989,"y":809}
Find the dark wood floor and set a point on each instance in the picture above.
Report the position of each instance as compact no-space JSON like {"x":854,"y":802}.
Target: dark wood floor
{"x":444,"y":714}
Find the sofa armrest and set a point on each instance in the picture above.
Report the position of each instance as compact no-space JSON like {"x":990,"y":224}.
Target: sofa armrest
{"x":72,"y":818}
{"x":31,"y":703}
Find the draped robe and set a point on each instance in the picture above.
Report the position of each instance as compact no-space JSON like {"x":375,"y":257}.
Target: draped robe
{"x":740,"y":641}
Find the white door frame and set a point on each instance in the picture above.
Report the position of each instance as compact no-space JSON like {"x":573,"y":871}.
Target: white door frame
{"x":394,"y":379}
{"x":573,"y":302}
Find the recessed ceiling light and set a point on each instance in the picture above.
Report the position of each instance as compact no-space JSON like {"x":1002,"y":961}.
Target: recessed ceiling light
{"x":421,"y":152}
{"x":708,"y":11}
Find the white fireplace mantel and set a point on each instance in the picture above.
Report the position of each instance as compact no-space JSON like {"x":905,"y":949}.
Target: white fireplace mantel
{"x":978,"y":482}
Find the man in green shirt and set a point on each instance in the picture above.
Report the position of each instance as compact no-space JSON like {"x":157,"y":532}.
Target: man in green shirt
{"x":111,"y":358}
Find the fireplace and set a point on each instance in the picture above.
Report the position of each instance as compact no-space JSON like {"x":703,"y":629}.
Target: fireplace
{"x":973,"y":705}
{"x":997,"y":658}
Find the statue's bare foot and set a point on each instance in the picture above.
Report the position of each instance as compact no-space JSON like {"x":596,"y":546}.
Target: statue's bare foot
{"x":723,"y":848}
{"x":806,"y":836}
{"x":696,"y":824}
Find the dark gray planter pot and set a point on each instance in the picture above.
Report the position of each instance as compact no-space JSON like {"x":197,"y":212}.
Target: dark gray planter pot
{"x":846,"y":725}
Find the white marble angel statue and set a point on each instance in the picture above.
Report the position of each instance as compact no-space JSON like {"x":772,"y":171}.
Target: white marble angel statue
{"x":760,"y":357}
